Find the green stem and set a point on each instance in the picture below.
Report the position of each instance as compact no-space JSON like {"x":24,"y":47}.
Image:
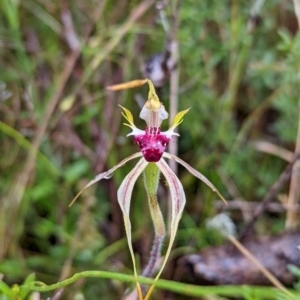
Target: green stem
{"x":151,"y":178}
{"x":182,"y":288}
{"x":154,"y":256}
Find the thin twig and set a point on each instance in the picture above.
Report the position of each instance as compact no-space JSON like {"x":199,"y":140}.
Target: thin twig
{"x":270,"y":148}
{"x":249,"y":207}
{"x":250,"y":120}
{"x":57,"y":294}
{"x":294,"y":193}
{"x":276,"y":187}
{"x":76,"y":240}
{"x":239,"y":54}
{"x":297,"y":10}
{"x":174,"y":82}
{"x":173,"y":47}
{"x":254,"y":260}
{"x":68,"y":26}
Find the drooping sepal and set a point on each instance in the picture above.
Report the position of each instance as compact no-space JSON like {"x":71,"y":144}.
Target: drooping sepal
{"x":106,"y":175}
{"x":124,"y":198}
{"x":195,"y":173}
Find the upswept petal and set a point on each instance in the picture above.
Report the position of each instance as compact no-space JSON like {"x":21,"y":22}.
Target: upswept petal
{"x":178,"y":203}
{"x":124,"y":199}
{"x":195,"y":173}
{"x":179,"y":118}
{"x":107,"y":174}
{"x":128,"y":116}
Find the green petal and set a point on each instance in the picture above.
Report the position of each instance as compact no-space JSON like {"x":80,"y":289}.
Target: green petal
{"x":128,"y":116}
{"x":179,"y":118}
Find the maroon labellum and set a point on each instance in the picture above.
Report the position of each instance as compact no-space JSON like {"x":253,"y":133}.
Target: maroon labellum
{"x":152,"y":144}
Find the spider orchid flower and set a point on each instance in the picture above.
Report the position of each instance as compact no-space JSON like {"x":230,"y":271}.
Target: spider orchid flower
{"x":152,"y":143}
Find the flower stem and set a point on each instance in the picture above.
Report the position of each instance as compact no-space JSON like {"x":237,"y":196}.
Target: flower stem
{"x":154,"y":256}
{"x":151,"y":178}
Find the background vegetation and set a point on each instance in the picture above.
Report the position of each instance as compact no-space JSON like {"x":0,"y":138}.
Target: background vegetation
{"x":239,"y":71}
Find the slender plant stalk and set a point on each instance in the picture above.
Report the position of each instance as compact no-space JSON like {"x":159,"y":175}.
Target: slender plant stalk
{"x":238,"y":60}
{"x":249,"y":121}
{"x":273,"y":191}
{"x":254,"y":260}
{"x":174,"y":78}
{"x":292,"y":219}
{"x":151,"y":178}
{"x":182,"y":288}
{"x":74,"y":244}
{"x":294,"y":194}
{"x":174,"y":90}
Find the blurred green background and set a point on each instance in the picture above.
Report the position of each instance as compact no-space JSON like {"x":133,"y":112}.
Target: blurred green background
{"x":239,"y":68}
